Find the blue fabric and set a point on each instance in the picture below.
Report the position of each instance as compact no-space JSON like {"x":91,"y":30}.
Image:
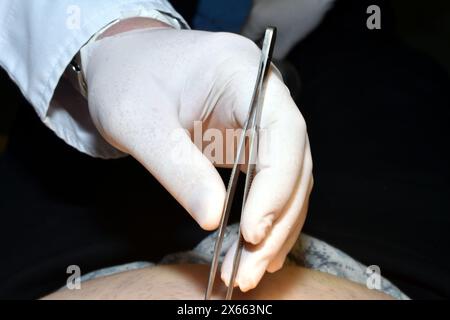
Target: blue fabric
{"x":221,"y":15}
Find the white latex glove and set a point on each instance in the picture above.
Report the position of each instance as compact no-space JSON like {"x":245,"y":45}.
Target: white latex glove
{"x":147,"y":86}
{"x":294,"y":20}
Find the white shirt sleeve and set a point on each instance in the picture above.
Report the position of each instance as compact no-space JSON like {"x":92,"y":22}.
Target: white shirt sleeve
{"x":39,"y":38}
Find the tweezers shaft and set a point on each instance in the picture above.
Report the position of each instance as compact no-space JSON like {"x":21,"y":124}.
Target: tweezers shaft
{"x":252,"y":124}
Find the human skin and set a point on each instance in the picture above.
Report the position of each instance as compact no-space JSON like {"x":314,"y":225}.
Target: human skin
{"x":189,"y":282}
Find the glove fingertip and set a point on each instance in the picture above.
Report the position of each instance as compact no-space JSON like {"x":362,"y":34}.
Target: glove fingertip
{"x":208,"y":207}
{"x":255,"y":233}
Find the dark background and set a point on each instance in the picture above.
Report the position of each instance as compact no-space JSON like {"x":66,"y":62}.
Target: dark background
{"x":377,"y":106}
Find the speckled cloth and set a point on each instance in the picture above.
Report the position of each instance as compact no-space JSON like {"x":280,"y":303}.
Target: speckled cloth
{"x":307,"y":252}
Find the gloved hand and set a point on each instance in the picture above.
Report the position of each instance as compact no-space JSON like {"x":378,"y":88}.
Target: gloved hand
{"x":148,"y":86}
{"x":294,"y":20}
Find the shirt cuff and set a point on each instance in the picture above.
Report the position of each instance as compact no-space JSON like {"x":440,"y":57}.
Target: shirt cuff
{"x":68,"y":114}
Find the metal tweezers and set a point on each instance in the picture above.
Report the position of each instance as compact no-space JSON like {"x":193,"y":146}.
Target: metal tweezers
{"x":250,"y":130}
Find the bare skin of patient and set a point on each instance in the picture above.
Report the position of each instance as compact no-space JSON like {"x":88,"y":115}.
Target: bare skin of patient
{"x":189,"y":282}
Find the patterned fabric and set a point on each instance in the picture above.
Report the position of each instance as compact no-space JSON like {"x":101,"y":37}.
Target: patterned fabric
{"x":307,"y":252}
